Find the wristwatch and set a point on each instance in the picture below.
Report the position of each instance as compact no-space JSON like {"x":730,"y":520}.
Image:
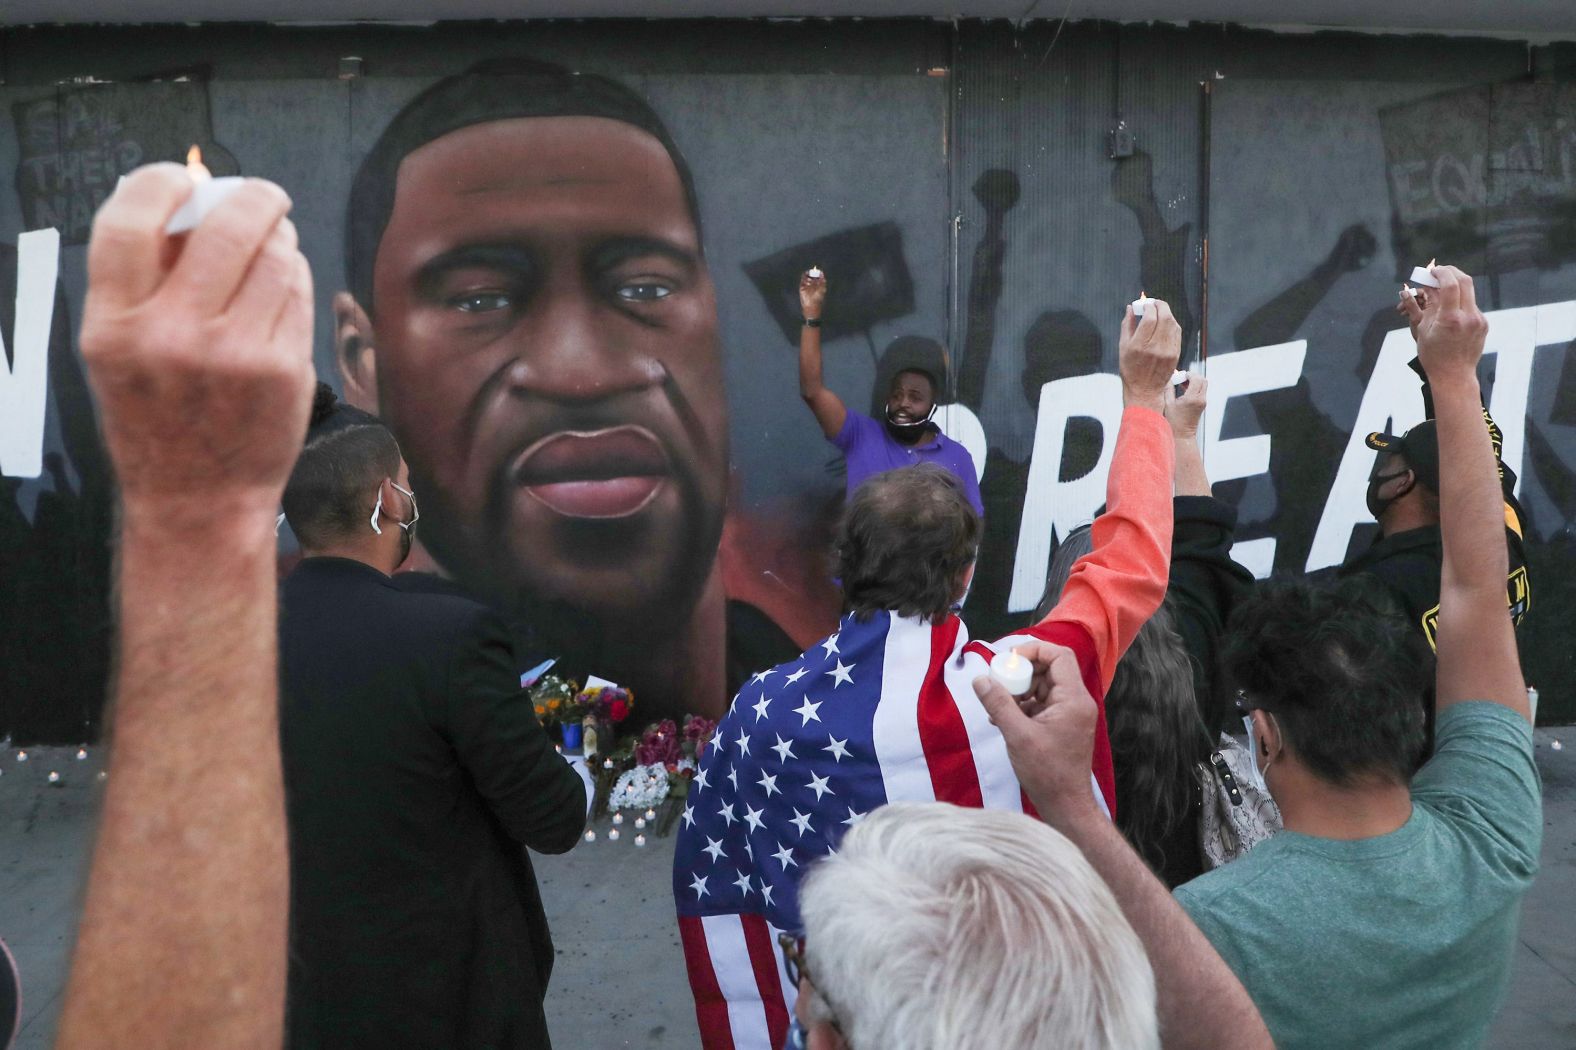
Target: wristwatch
{"x":812,"y":322}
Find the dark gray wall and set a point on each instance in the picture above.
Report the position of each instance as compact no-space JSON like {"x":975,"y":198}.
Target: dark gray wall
{"x":800,"y":131}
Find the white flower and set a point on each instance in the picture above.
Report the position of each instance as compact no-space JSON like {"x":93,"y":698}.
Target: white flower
{"x":639,"y":788}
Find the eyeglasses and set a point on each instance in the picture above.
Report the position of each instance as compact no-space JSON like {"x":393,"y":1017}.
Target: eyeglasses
{"x":793,"y":958}
{"x":798,"y":968}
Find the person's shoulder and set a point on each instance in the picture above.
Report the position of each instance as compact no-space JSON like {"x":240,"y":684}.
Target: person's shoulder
{"x":440,"y":609}
{"x":1483,"y":783}
{"x":1219,"y":893}
{"x":1474,"y":733}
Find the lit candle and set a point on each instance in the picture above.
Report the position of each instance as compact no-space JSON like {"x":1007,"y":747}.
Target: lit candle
{"x":1140,"y":304}
{"x":607,"y":763}
{"x":590,"y":835}
{"x":651,"y":814}
{"x":612,"y":835}
{"x":640,"y":823}
{"x":54,"y":778}
{"x":207,"y":192}
{"x":1179,"y":377}
{"x":618,"y":818}
{"x":640,"y":840}
{"x":82,"y":753}
{"x":21,"y":756}
{"x":1012,"y":672}
{"x":1424,"y":275}
{"x":814,"y":273}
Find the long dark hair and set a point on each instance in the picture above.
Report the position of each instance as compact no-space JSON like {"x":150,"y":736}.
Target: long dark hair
{"x":1156,"y":738}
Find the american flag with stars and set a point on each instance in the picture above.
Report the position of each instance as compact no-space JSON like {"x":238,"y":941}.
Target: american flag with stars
{"x":884,"y":710}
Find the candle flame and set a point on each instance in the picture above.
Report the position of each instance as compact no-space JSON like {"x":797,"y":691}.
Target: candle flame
{"x":1013,"y":659}
{"x":1143,"y":295}
{"x":194,"y":165}
{"x":1431,"y":263}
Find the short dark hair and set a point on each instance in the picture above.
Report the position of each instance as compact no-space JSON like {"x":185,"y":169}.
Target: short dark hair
{"x":348,"y":453}
{"x":1341,"y":669}
{"x":492,"y":90}
{"x":904,"y":541}
{"x":924,"y":373}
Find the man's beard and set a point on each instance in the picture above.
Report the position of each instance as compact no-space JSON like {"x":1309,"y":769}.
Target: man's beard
{"x":910,"y":433}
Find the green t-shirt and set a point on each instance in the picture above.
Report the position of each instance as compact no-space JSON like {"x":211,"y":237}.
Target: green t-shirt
{"x":1403,"y":940}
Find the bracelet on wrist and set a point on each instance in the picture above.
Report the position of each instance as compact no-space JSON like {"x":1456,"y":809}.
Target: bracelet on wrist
{"x":812,"y":322}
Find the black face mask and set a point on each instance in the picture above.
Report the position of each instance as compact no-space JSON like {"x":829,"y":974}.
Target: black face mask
{"x":1376,"y":505}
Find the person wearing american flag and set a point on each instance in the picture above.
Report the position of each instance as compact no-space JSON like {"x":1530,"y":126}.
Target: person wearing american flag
{"x":884,"y":710}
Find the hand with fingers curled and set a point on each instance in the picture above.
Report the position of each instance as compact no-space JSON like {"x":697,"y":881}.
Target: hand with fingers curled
{"x":1449,"y":328}
{"x":1184,"y":410}
{"x":198,"y":345}
{"x":1049,"y":731}
{"x":1147,"y":355}
{"x":812,"y":293}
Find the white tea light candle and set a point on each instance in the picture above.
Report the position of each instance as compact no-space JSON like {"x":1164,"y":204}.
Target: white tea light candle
{"x":1140,"y":304}
{"x":1012,"y":672}
{"x":207,"y":192}
{"x":1424,"y":275}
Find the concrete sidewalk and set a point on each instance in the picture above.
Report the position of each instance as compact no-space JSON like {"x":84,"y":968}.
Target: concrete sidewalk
{"x":619,"y":980}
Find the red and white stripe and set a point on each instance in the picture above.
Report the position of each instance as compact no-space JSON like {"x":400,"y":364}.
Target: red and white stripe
{"x":742,"y":996}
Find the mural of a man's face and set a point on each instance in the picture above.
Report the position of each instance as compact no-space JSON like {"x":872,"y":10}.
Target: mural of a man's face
{"x":543,"y":342}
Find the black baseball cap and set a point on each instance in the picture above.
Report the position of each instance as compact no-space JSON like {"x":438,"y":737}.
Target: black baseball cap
{"x":1419,"y":446}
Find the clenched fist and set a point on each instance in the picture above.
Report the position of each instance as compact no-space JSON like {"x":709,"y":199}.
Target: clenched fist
{"x":198,"y":347}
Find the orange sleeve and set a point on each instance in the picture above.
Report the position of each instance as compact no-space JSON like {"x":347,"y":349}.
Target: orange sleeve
{"x":1119,"y":584}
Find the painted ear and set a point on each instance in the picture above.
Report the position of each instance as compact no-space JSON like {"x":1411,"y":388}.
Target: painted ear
{"x":355,"y":353}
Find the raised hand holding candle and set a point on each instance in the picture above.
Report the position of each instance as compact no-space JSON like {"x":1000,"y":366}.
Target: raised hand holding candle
{"x":1012,"y":672}
{"x":1140,"y":304}
{"x":207,"y":192}
{"x":1424,"y":275}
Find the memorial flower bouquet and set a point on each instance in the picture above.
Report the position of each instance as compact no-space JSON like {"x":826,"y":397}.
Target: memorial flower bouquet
{"x":554,"y":700}
{"x":655,"y":770}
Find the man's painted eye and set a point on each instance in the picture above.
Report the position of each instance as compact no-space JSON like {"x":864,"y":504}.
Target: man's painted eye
{"x":482,"y":302}
{"x":643,"y":291}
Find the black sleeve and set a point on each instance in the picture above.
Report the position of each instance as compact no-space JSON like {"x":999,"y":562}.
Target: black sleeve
{"x":537,"y":796}
{"x":1205,"y":586}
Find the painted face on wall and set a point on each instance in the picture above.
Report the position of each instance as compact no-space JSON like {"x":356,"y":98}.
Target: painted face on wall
{"x":546,"y":351}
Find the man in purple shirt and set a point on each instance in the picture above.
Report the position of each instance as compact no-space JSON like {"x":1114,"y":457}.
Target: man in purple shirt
{"x":906,"y":437}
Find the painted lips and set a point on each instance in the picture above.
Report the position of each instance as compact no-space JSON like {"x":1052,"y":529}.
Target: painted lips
{"x":610,"y":473}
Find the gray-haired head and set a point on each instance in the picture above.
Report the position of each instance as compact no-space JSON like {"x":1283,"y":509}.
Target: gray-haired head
{"x":935,"y":927}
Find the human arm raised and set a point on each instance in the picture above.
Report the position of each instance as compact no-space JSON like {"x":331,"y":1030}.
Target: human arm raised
{"x":1183,"y":412}
{"x":200,"y":355}
{"x":1114,"y":588}
{"x":829,"y":409}
{"x":1049,"y":740}
{"x":1475,"y":640}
